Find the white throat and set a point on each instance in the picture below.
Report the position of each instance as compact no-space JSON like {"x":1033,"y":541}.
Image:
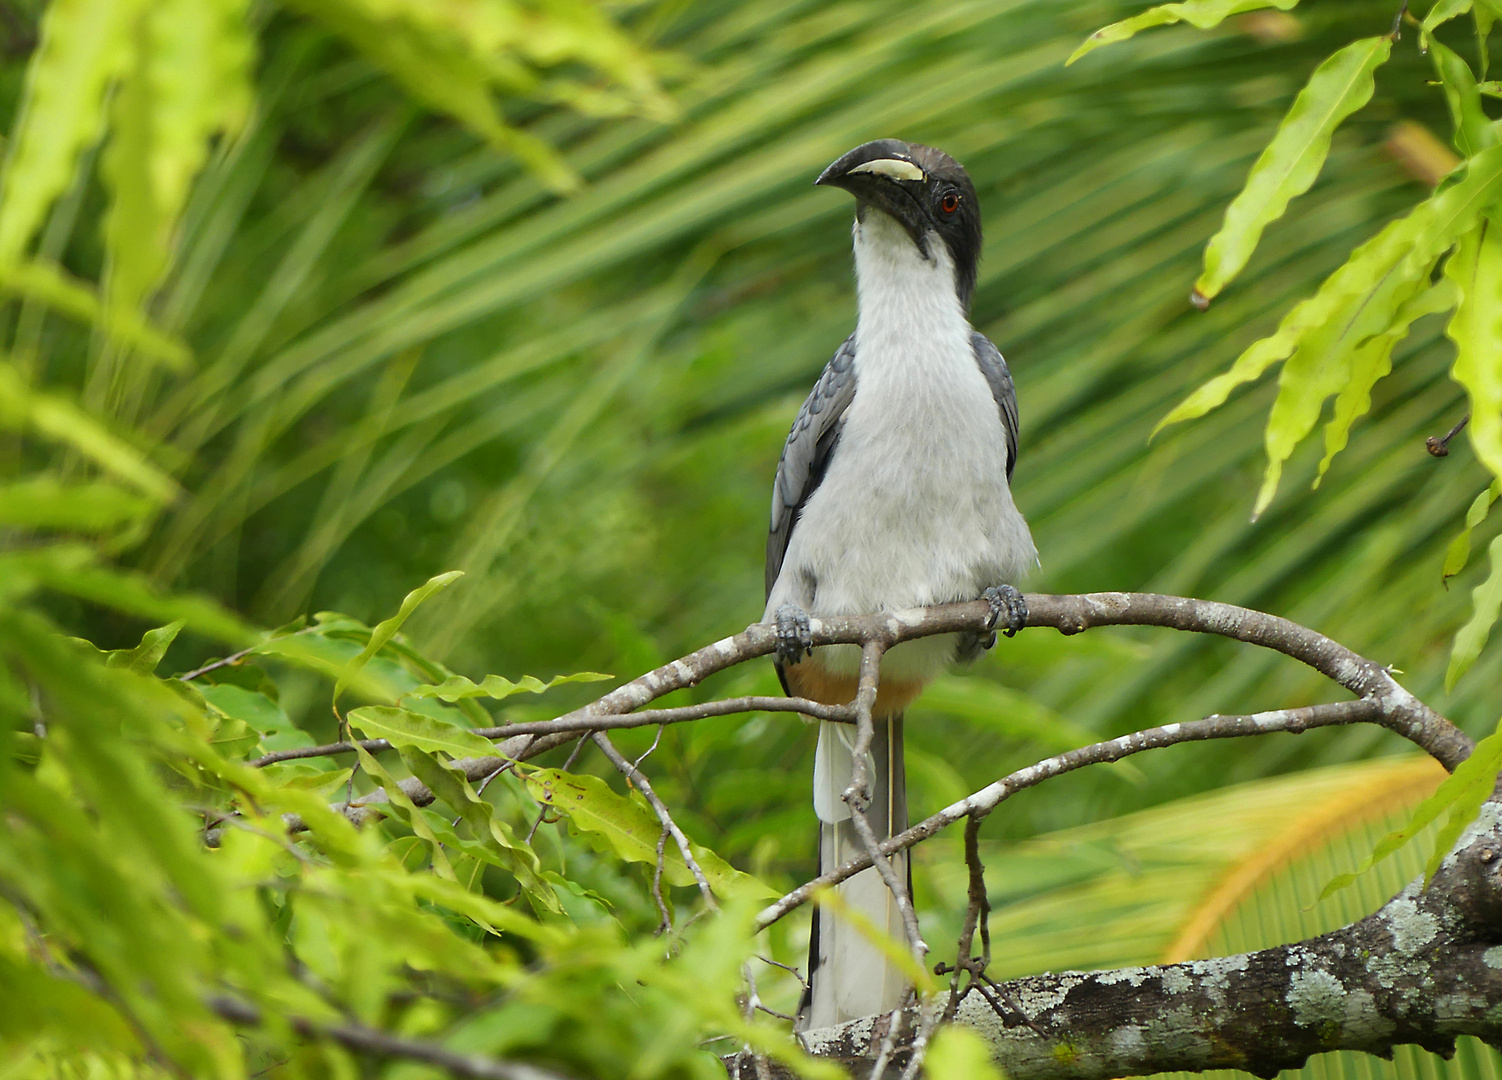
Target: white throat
{"x":903,"y":296}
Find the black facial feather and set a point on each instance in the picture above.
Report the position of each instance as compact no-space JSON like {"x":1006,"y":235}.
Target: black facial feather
{"x":942,"y":203}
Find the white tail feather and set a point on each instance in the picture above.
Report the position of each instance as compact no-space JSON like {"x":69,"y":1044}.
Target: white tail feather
{"x":852,"y":977}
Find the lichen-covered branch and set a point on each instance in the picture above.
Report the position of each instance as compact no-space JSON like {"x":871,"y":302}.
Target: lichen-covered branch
{"x":1424,"y":969}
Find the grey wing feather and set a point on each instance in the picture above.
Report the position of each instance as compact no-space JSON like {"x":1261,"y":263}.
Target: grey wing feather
{"x":994,"y":368}
{"x":805,"y":456}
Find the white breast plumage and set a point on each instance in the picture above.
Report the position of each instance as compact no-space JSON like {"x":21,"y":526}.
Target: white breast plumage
{"x":915,"y":507}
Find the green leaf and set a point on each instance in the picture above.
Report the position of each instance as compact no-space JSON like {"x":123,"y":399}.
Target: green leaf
{"x":1474,"y":131}
{"x":1372,"y":361}
{"x":43,"y":502}
{"x":448,"y":67}
{"x":402,"y":727}
{"x":630,"y":829}
{"x":254,"y":708}
{"x":1356,"y":302}
{"x":495,"y":836}
{"x":1462,"y":793}
{"x":1294,"y":157}
{"x":51,"y":286}
{"x":457,"y":687}
{"x":188,"y":81}
{"x":1486,"y":601}
{"x":145,"y":657}
{"x":84,"y":46}
{"x":1444,"y":11}
{"x":1459,"y":551}
{"x":385,"y":630}
{"x":406,"y":810}
{"x":74,"y":570}
{"x":1476,"y":329}
{"x":1202,"y":14}
{"x":56,"y":418}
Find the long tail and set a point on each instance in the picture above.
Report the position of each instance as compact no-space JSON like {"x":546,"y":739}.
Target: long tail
{"x":849,"y":977}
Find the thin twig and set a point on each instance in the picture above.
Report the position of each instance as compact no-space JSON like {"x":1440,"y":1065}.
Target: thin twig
{"x":583,"y":724}
{"x":542,"y":814}
{"x":663,"y":911}
{"x":858,"y":795}
{"x":635,"y":775}
{"x":1441,"y":447}
{"x":888,"y":1044}
{"x":928,"y":1020}
{"x":977,"y":912}
{"x":371,"y":1040}
{"x":985,"y":800}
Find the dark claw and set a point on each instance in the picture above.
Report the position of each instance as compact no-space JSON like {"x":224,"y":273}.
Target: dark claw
{"x":1008,"y":609}
{"x":794,"y":638}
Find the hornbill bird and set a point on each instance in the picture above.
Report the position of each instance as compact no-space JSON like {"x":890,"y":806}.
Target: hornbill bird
{"x":893,"y":492}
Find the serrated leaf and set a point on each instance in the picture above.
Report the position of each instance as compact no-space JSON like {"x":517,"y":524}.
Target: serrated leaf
{"x":1476,"y":329}
{"x":1462,"y":792}
{"x":1459,"y":551}
{"x":457,"y":687}
{"x":1486,"y":602}
{"x":402,"y":727}
{"x":188,"y":80}
{"x":1294,"y":157}
{"x":630,"y":830}
{"x":386,"y":629}
{"x":84,"y":45}
{"x":1372,"y":362}
{"x":1201,"y":14}
{"x":1354,"y":303}
{"x":1474,"y":131}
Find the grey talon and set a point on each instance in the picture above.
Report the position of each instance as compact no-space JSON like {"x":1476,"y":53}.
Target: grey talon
{"x":1006,"y":601}
{"x":795,"y":639}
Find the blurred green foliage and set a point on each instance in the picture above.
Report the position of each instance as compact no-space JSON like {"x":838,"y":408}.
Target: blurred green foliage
{"x":308,"y":303}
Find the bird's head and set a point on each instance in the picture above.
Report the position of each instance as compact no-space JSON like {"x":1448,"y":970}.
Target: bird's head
{"x":924,"y":190}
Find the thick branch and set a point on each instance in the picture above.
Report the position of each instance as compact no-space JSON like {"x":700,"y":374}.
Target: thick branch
{"x":1399,"y":710}
{"x":1424,"y":969}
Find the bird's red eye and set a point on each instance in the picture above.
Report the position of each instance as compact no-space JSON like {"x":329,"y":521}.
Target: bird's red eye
{"x":949,"y":203}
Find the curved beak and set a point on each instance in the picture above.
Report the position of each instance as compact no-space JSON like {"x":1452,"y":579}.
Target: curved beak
{"x":884,"y":175}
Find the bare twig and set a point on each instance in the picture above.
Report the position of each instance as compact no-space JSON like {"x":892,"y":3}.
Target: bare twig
{"x":1441,"y":447}
{"x":858,"y":795}
{"x":373,"y":1041}
{"x":663,"y":911}
{"x":977,"y":912}
{"x":583,"y":723}
{"x":888,"y":1043}
{"x":635,"y":775}
{"x":993,"y":795}
{"x":928,"y":1019}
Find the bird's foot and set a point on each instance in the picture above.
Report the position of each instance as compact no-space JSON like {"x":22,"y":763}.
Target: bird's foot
{"x":795,"y":639}
{"x":1008,"y":610}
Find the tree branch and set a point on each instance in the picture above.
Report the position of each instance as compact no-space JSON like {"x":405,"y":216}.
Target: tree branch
{"x":993,"y":795}
{"x":1424,"y":969}
{"x":373,"y":1041}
